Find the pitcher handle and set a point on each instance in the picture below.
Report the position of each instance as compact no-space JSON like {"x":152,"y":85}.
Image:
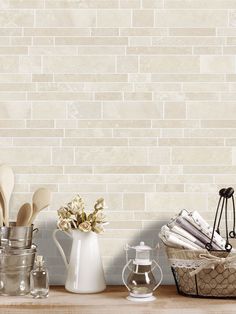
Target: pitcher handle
{"x":60,"y":247}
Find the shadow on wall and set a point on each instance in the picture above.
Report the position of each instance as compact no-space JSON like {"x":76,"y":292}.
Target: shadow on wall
{"x":46,"y":247}
{"x":57,"y":271}
{"x":150,"y":236}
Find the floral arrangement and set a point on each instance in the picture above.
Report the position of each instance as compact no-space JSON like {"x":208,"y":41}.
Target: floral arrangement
{"x":73,"y":216}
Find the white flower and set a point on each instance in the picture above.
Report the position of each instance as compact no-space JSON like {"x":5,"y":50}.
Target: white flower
{"x":63,"y":213}
{"x":76,"y":205}
{"x":98,"y":229}
{"x":100,"y":204}
{"x":64,"y":224}
{"x":100,"y":217}
{"x":85,"y":226}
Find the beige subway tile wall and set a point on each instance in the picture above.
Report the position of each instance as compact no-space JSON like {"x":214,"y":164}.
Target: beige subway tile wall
{"x":132,"y":100}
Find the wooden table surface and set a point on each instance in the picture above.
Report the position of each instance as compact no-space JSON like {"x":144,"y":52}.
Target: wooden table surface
{"x":113,"y":300}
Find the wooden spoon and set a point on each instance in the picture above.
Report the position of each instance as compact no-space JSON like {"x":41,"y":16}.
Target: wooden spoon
{"x":1,"y":217}
{"x":6,"y":188}
{"x":24,"y":215}
{"x":1,"y":210}
{"x":41,"y":200}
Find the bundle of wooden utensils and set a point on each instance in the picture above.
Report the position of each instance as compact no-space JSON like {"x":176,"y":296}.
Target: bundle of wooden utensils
{"x":27,"y":212}
{"x":17,"y":252}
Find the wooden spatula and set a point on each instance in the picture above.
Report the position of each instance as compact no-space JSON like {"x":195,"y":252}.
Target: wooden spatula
{"x":41,"y":200}
{"x":24,"y":215}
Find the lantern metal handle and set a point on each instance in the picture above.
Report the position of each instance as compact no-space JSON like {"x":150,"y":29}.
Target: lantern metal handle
{"x":123,"y":273}
{"x":160,"y":273}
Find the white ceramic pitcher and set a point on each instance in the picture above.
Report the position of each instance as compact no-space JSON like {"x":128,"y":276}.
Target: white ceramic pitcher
{"x":84,"y":271}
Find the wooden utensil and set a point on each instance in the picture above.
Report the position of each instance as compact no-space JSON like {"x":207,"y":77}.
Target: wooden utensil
{"x":1,"y":217}
{"x":6,"y":188}
{"x":24,"y":215}
{"x":1,"y":210}
{"x":41,"y":200}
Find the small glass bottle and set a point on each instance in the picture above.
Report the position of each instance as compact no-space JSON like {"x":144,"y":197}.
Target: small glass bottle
{"x":39,"y":286}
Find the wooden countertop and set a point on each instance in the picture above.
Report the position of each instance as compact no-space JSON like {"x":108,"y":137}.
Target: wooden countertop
{"x":113,"y":301}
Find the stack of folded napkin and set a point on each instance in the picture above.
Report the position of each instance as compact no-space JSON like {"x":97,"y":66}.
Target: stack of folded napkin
{"x":188,"y":230}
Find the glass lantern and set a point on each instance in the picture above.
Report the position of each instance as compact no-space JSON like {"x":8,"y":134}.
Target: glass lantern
{"x":141,"y":281}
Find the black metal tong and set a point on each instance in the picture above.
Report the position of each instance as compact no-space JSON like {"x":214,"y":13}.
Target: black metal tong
{"x":225,"y":195}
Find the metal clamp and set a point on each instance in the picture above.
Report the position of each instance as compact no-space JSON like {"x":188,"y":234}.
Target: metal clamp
{"x":225,"y":194}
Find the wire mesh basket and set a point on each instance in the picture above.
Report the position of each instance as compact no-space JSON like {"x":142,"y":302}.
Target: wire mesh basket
{"x":203,"y":274}
{"x":207,"y":272}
